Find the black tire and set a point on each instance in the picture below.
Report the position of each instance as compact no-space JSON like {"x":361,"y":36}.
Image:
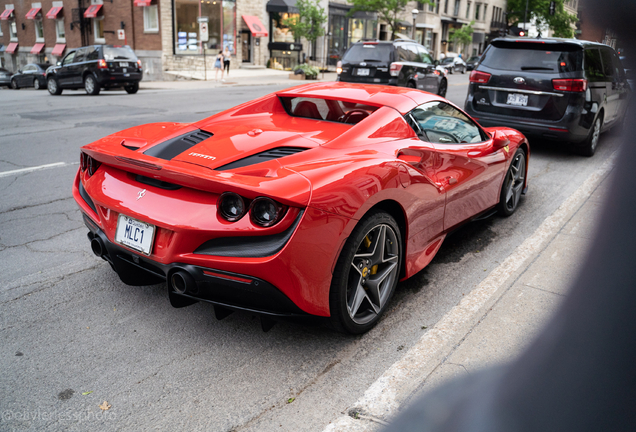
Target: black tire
{"x":36,"y":84}
{"x":512,"y":187}
{"x":14,"y":85}
{"x":588,"y":147}
{"x":366,"y":274}
{"x":53,"y":87}
{"x":410,"y":84}
{"x":91,"y":86}
{"x":443,"y":86}
{"x":132,"y":89}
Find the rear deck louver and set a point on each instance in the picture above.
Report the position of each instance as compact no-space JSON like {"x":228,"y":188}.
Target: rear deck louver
{"x":174,"y":147}
{"x":275,"y":153}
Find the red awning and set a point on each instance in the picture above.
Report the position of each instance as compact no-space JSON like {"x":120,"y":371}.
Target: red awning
{"x":37,"y":48}
{"x":54,"y":12}
{"x":8,"y":13}
{"x":33,"y":13}
{"x":92,"y":11}
{"x":12,"y":47}
{"x":58,"y":49}
{"x":143,"y":2}
{"x":255,"y":25}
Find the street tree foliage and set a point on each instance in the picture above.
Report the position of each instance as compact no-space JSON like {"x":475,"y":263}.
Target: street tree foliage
{"x":388,"y":11}
{"x":309,"y":22}
{"x":561,"y":22}
{"x":463,"y":36}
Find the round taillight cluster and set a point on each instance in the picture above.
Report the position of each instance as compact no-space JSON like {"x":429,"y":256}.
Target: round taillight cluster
{"x":89,"y":164}
{"x":263,"y":211}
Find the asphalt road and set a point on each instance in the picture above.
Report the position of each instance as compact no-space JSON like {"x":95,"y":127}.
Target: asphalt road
{"x":73,"y":336}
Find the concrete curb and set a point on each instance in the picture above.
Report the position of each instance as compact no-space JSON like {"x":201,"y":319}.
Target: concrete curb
{"x":383,"y":399}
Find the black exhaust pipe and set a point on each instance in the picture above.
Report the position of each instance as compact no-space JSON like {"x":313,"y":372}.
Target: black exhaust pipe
{"x":182,"y":282}
{"x":98,"y":247}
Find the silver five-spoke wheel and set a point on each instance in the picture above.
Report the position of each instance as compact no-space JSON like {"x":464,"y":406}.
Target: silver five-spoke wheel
{"x":513,"y":184}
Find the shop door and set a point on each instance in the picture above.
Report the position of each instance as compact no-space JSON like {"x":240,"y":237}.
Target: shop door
{"x":246,"y":49}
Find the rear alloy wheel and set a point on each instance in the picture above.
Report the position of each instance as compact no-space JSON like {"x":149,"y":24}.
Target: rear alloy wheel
{"x":132,"y":89}
{"x":36,"y":84}
{"x":513,"y":185}
{"x":588,"y":147}
{"x":91,"y":86}
{"x":53,"y":87}
{"x":14,"y":84}
{"x":366,"y":274}
{"x":442,"y":88}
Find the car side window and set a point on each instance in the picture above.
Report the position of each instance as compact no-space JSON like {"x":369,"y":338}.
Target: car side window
{"x":442,"y":123}
{"x":593,"y":65}
{"x":414,"y":53}
{"x":425,"y":57}
{"x":79,"y":55}
{"x":404,"y":54}
{"x":91,"y":54}
{"x":608,"y":66}
{"x":618,"y":67}
{"x":68,"y":59}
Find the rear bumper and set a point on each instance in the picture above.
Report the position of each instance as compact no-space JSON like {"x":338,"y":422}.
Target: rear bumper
{"x":106,"y":79}
{"x":361,"y":80}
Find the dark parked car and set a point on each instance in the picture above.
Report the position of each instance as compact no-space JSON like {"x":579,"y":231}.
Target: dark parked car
{"x":400,"y":62}
{"x":5,"y":77}
{"x":472,"y":62}
{"x":95,"y":67}
{"x":559,"y":89}
{"x":31,"y":75}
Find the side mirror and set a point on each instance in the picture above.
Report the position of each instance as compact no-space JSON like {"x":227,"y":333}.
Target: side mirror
{"x":19,"y":70}
{"x":500,"y":140}
{"x":436,"y":62}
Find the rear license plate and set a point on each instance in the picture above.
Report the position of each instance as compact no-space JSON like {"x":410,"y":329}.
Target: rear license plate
{"x":363,"y":72}
{"x":123,"y":64}
{"x":134,"y":234}
{"x":517,"y":99}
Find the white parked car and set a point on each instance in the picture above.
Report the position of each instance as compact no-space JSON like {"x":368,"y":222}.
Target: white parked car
{"x":454,"y":64}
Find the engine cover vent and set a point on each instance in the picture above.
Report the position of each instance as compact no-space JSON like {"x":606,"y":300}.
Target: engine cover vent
{"x":275,"y":153}
{"x":174,"y":147}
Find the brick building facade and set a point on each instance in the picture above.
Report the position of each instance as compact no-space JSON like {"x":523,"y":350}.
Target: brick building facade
{"x":45,"y":31}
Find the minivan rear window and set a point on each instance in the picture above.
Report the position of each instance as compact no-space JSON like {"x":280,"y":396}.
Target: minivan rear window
{"x":368,"y":53}
{"x":119,"y":53}
{"x":534,"y":57}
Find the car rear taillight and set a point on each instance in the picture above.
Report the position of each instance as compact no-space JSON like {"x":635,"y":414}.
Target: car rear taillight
{"x":479,"y":77}
{"x":395,"y":69}
{"x":570,"y":85}
{"x":88,"y":164}
{"x":83,"y":161}
{"x":139,"y":64}
{"x":339,"y":67}
{"x":101,"y":64}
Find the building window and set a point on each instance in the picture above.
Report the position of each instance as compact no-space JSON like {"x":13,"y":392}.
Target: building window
{"x":456,"y":10}
{"x":221,"y":16}
{"x":477,"y":10}
{"x":151,"y":18}
{"x":445,"y":6}
{"x":98,"y":29}
{"x":360,"y":28}
{"x":13,"y":31}
{"x":431,"y":6}
{"x":484,"y":14}
{"x":39,"y":31}
{"x":59,"y":30}
{"x":1,"y":34}
{"x":280,"y":32}
{"x":468,"y":10}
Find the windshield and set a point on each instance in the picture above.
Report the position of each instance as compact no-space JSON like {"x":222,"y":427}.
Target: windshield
{"x":473,"y":59}
{"x":368,"y":53}
{"x":119,"y":53}
{"x":534,"y":57}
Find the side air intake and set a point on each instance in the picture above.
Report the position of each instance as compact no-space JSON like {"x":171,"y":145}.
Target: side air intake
{"x":174,"y":147}
{"x":275,"y":153}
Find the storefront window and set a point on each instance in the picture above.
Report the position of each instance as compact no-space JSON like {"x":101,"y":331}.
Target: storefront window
{"x":360,"y":28}
{"x":280,"y":32}
{"x":221,"y":17}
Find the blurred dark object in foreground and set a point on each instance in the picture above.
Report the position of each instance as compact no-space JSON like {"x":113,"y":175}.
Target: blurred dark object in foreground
{"x":580,"y":373}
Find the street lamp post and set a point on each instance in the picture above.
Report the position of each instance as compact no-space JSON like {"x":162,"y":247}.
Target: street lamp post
{"x":414,"y":12}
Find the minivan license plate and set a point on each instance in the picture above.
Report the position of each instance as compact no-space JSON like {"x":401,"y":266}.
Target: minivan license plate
{"x":517,"y":99}
{"x":363,"y":72}
{"x":134,"y":234}
{"x":123,"y":64}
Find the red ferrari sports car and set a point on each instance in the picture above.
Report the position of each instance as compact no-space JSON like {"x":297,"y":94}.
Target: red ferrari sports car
{"x":312,"y":201}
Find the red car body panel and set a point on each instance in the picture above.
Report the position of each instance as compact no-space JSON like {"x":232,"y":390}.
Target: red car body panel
{"x":345,"y":171}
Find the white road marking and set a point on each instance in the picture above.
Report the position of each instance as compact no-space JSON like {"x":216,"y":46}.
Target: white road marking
{"x":36,"y":168}
{"x":384,"y":397}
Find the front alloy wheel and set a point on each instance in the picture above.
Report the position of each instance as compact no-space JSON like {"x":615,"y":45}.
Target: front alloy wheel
{"x":513,"y":185}
{"x":366,"y":274}
{"x":52,"y":86}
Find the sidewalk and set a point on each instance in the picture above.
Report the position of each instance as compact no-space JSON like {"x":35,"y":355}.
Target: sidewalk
{"x":184,"y":80}
{"x":497,"y":320}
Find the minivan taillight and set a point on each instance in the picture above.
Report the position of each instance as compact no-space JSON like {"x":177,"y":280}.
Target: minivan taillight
{"x":479,"y":77}
{"x":339,"y":67}
{"x":139,"y":64}
{"x":570,"y":85}
{"x":102,"y":64}
{"x":395,"y":69}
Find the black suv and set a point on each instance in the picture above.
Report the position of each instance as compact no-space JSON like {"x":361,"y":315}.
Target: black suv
{"x":558,"y":89}
{"x":95,"y":67}
{"x":400,"y":62}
